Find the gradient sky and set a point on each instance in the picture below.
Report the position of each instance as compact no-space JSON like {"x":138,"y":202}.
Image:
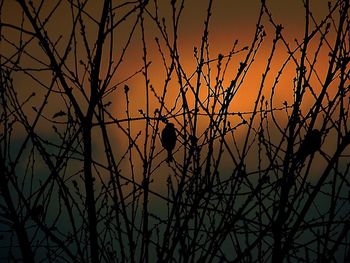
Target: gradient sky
{"x":230,"y":21}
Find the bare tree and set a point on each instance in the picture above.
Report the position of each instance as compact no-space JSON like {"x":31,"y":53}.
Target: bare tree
{"x":87,"y":88}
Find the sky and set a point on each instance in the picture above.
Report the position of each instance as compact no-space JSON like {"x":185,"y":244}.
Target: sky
{"x":230,"y":21}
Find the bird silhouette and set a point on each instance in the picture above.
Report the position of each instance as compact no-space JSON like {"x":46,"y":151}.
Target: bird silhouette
{"x":169,"y":140}
{"x":310,"y":144}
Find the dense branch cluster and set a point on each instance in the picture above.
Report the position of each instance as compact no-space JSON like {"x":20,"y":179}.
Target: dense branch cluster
{"x":86,"y":89}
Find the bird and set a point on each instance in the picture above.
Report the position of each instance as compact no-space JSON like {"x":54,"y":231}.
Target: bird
{"x":310,"y":145}
{"x":169,"y":140}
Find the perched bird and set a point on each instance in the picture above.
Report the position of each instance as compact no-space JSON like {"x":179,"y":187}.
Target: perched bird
{"x":169,"y":139}
{"x":311,"y":144}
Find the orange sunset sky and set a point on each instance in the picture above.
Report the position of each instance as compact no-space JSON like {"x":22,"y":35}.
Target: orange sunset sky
{"x":230,"y":21}
{"x":255,"y":160}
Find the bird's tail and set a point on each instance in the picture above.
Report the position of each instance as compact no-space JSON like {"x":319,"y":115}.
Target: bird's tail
{"x":170,"y":157}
